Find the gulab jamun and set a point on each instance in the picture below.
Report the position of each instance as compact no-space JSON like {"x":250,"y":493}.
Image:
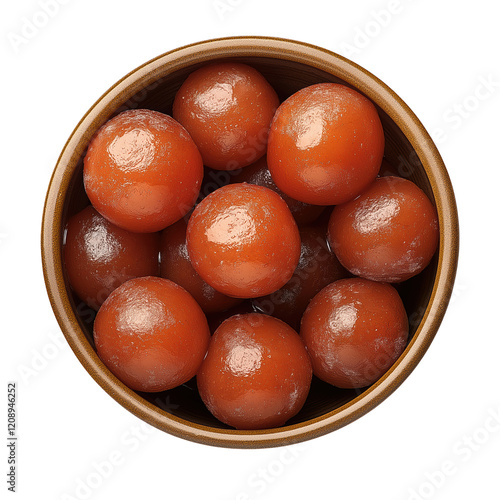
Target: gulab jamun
{"x":243,"y":241}
{"x":388,"y":233}
{"x":354,"y":330}
{"x":142,"y":171}
{"x":326,"y":144}
{"x":227,"y":108}
{"x":151,"y":334}
{"x":100,"y":256}
{"x":256,"y":374}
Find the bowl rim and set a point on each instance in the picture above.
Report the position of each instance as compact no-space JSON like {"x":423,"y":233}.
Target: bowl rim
{"x":270,"y":47}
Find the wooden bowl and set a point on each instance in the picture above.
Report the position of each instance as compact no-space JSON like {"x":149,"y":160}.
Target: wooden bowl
{"x":288,"y":66}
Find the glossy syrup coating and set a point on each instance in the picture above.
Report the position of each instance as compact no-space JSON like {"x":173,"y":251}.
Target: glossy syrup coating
{"x":325,"y":144}
{"x":100,"y":256}
{"x":256,"y":374}
{"x":259,"y":174}
{"x":318,"y":266}
{"x":142,"y":171}
{"x":243,"y":241}
{"x":151,"y":334}
{"x":389,"y":233}
{"x":176,"y":266}
{"x":227,"y":108}
{"x":354,"y":330}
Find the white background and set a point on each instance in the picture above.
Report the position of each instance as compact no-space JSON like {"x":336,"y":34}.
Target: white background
{"x":437,"y":55}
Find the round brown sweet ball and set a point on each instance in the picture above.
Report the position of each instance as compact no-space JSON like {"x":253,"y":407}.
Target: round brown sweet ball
{"x":388,"y":233}
{"x":151,"y":334}
{"x":243,"y":241}
{"x":100,"y":256}
{"x":354,"y":330}
{"x":142,"y":171}
{"x":227,"y":108}
{"x":256,"y":374}
{"x":325,"y":144}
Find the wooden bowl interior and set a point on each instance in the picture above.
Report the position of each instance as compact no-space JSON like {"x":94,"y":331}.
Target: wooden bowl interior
{"x":286,"y":77}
